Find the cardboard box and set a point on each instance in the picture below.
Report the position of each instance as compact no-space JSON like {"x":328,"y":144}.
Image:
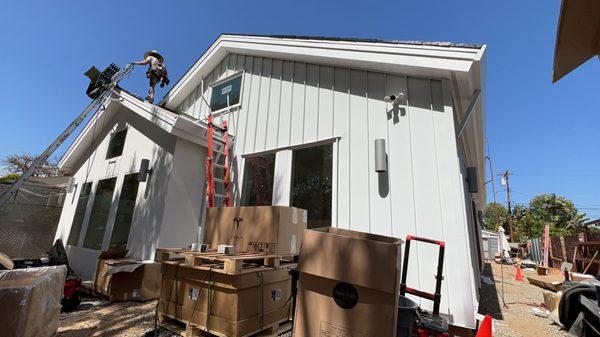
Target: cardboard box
{"x":270,"y":229}
{"x":31,"y":301}
{"x":349,"y":284}
{"x":227,"y":305}
{"x":124,"y":279}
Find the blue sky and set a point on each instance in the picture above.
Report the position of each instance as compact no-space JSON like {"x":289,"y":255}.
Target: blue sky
{"x":546,"y":134}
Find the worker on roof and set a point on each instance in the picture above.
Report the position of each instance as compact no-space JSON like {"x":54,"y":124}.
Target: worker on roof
{"x":157,"y":71}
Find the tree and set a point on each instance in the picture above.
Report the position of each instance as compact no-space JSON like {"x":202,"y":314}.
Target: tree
{"x":18,"y":164}
{"x":559,"y":212}
{"x":546,"y":209}
{"x":495,"y":215}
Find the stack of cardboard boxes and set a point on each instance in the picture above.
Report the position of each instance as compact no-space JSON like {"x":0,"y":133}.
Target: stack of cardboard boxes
{"x":244,"y":301}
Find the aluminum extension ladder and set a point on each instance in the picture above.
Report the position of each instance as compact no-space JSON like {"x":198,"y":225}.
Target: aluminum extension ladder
{"x":95,"y":105}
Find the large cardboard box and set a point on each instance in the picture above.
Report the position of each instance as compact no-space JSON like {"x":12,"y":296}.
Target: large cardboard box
{"x":349,"y":284}
{"x":225,"y":305}
{"x":271,"y":229}
{"x":30,"y":301}
{"x":124,"y":279}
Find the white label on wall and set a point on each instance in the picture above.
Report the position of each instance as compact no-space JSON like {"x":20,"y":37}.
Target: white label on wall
{"x":305,"y":216}
{"x":294,"y":216}
{"x":137,"y":293}
{"x":193,"y":293}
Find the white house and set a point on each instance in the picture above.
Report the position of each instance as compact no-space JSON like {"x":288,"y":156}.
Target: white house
{"x":304,"y":114}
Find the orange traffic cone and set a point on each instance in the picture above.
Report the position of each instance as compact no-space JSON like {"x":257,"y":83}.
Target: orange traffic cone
{"x":485,"y":329}
{"x":519,"y":275}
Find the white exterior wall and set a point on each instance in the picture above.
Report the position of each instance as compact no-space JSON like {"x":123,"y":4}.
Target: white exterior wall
{"x":171,"y":195}
{"x":286,"y":104}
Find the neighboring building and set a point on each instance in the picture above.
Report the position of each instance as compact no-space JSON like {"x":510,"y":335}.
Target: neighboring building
{"x":28,"y":222}
{"x":490,"y":244}
{"x":304,"y":115}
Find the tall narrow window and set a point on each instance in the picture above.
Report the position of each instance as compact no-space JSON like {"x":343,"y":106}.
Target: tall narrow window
{"x":257,"y":189}
{"x":312,"y":183}
{"x":99,"y":214}
{"x":84,"y":196}
{"x":120,"y":232}
{"x":116,"y":144}
{"x":226,"y":93}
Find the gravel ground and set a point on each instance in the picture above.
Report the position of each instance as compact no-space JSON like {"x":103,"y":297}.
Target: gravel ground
{"x":521,"y":297}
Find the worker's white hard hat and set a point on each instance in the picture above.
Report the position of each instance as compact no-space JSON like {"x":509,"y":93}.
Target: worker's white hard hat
{"x":155,"y":54}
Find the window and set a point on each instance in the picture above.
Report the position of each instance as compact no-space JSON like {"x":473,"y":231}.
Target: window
{"x":122,"y":226}
{"x":116,"y":144}
{"x":84,"y":196}
{"x":311,"y":183}
{"x":99,"y":214}
{"x":257,"y":189}
{"x":229,"y":89}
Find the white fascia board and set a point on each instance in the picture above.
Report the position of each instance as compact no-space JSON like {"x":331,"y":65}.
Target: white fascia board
{"x":174,"y":124}
{"x":415,"y":60}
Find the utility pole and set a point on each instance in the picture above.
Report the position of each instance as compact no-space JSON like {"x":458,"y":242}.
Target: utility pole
{"x":506,"y":183}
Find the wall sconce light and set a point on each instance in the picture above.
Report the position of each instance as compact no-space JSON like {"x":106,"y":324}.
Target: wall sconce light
{"x":144,"y":170}
{"x":380,"y":156}
{"x":70,"y":184}
{"x":472,"y":183}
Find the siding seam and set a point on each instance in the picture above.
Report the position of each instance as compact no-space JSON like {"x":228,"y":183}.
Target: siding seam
{"x":268,"y":105}
{"x":262,"y":65}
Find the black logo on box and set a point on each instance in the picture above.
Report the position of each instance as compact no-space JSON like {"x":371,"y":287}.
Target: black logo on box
{"x":345,"y":295}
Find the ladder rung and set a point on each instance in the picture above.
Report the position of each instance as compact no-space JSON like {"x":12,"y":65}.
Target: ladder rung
{"x":219,"y":166}
{"x":220,"y":195}
{"x":219,"y":180}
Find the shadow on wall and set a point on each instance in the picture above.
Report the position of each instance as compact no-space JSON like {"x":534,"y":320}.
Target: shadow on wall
{"x":149,"y":210}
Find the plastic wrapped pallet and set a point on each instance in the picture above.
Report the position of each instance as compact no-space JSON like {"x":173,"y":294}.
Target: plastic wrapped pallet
{"x":30,"y":301}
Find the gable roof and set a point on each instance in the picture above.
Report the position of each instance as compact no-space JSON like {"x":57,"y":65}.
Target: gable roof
{"x":416,"y":58}
{"x":135,"y":111}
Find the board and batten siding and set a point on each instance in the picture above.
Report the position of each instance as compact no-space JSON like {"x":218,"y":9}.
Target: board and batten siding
{"x":286,"y":103}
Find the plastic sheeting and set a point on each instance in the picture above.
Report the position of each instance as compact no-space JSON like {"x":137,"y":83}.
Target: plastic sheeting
{"x":30,"y":301}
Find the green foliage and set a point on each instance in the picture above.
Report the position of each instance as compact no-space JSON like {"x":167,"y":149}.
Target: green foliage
{"x":495,"y":215}
{"x":556,"y":211}
{"x":9,"y":177}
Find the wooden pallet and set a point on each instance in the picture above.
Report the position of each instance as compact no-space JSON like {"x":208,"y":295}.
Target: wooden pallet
{"x":186,"y":329}
{"x":234,"y":264}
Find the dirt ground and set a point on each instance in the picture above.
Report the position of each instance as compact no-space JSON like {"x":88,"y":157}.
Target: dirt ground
{"x":520,"y":297}
{"x":97,"y":318}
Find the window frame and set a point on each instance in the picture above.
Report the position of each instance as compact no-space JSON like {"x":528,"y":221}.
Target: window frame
{"x":241,"y":74}
{"x":108,"y":213}
{"x":243,"y":189}
{"x":118,"y":206}
{"x":112,"y":136}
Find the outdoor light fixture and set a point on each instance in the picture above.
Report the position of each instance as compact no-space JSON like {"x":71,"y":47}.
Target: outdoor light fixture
{"x":472,"y":184}
{"x":394,"y":99}
{"x":380,"y":156}
{"x":144,"y":170}
{"x":70,"y":184}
